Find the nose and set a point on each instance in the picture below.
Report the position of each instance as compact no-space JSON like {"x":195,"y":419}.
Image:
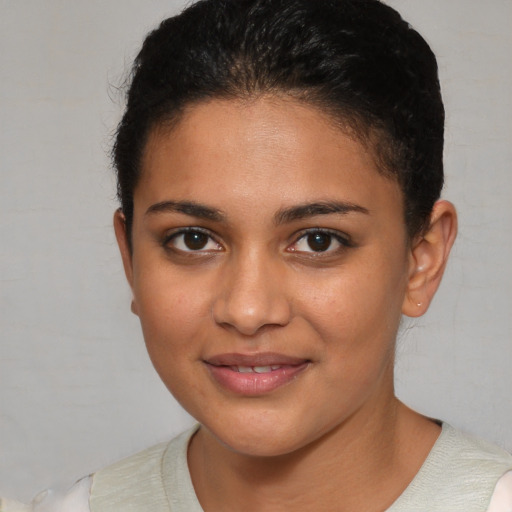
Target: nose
{"x":252,"y":295}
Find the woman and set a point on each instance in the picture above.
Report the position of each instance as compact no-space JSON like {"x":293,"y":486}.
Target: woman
{"x":279,"y":170}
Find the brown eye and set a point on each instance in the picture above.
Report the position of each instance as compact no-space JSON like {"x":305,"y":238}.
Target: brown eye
{"x":192,"y":240}
{"x":319,"y":242}
{"x":195,"y":241}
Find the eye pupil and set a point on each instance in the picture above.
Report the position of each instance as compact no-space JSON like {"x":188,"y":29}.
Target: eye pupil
{"x":319,"y":241}
{"x":195,"y":240}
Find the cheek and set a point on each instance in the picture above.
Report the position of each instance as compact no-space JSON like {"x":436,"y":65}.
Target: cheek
{"x":358,"y":308}
{"x":172,"y":317}
{"x":171,"y":309}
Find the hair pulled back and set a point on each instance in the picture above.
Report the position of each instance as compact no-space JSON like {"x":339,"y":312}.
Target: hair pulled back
{"x":357,"y":60}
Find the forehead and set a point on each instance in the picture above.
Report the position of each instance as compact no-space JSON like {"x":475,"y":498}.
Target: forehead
{"x":263,"y":148}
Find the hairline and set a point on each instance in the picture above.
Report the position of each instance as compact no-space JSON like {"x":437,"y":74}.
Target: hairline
{"x":348,"y":121}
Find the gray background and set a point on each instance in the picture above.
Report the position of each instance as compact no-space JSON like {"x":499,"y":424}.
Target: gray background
{"x":77,"y":390}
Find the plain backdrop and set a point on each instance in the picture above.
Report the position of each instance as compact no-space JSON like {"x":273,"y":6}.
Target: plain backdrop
{"x":77,"y":390}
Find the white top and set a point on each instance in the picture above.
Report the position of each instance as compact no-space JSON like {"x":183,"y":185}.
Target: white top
{"x":77,"y":498}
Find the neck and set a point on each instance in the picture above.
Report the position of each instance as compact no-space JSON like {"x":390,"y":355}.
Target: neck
{"x":363,"y":464}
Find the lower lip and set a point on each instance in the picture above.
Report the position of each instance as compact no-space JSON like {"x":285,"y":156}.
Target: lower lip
{"x":254,"y":384}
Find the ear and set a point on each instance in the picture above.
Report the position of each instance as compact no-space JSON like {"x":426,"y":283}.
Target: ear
{"x":124,"y":248}
{"x":428,"y":258}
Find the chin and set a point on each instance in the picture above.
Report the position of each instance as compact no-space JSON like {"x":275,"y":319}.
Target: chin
{"x":258,"y":445}
{"x":271,"y":438}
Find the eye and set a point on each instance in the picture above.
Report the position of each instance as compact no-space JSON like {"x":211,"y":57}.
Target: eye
{"x":192,"y":240}
{"x":320,"y":241}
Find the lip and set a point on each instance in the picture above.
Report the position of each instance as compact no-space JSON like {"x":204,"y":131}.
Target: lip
{"x":274,"y":371}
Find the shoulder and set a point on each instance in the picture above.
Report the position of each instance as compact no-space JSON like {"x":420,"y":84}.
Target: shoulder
{"x":471,"y":449}
{"x":460,"y":473}
{"x":74,"y":500}
{"x":502,"y":497}
{"x":148,"y":480}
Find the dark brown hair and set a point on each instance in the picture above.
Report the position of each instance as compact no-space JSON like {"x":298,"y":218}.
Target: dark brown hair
{"x":356,"y":59}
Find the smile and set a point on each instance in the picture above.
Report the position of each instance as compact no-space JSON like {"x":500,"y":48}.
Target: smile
{"x":255,"y":369}
{"x":254,"y":375}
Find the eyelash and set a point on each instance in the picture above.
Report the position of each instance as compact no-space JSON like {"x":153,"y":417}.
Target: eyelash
{"x":331,"y":235}
{"x":167,"y":242}
{"x":343,"y":241}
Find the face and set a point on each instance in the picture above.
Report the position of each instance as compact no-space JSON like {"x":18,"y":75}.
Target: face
{"x":269,"y":267}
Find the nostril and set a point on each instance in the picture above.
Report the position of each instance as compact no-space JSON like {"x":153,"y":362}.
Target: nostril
{"x":251,"y":294}
{"x":250,"y":319}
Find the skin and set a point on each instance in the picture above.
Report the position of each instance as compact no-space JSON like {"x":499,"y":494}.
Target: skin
{"x":259,"y":281}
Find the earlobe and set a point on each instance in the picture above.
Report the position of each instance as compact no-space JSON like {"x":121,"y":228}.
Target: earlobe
{"x":428,"y":258}
{"x":125,"y":249}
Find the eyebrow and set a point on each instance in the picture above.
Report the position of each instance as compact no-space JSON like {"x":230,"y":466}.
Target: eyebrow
{"x":283,"y":216}
{"x":303,"y":211}
{"x":188,"y":208}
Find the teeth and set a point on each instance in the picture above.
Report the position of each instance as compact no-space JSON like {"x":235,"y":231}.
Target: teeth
{"x":256,"y":369}
{"x":262,"y":369}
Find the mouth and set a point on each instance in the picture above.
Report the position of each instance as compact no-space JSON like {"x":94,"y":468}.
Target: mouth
{"x":256,"y":369}
{"x":255,"y":375}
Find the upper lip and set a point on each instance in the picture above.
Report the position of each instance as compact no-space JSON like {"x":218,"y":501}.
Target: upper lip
{"x":258,"y":359}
